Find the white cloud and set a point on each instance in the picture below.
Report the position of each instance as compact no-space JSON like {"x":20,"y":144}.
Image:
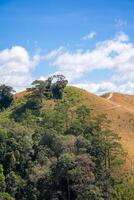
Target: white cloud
{"x":16,"y":67}
{"x":89,"y":36}
{"x":104,"y":87}
{"x":98,"y":88}
{"x":54,"y":53}
{"x":122,"y":37}
{"x":116,"y":54}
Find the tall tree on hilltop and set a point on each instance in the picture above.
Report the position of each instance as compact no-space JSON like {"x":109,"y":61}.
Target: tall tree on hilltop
{"x":51,"y":88}
{"x":58,"y":86}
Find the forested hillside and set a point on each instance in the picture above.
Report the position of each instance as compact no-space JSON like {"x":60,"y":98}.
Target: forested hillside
{"x":53,"y":147}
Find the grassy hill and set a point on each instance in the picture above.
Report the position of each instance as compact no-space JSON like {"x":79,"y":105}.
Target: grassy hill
{"x":119,"y":109}
{"x":59,"y":147}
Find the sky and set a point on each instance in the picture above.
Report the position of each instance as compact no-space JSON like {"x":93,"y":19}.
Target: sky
{"x":89,"y":41}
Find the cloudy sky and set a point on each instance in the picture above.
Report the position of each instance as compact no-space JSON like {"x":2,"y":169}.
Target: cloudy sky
{"x":91,"y":42}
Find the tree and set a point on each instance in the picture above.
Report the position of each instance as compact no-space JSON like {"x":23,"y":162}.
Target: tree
{"x":123,"y":186}
{"x":6,"y":96}
{"x":107,"y":154}
{"x":2,"y":180}
{"x":82,"y":179}
{"x":14,"y":183}
{"x":58,"y":86}
{"x":83,"y":113}
{"x":41,"y":88}
{"x":5,"y":196}
{"x":51,"y":88}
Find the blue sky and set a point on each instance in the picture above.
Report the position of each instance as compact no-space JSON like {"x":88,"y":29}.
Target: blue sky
{"x":42,"y":37}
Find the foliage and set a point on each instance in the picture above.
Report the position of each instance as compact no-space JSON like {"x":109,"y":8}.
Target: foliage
{"x":2,"y":180}
{"x":124,"y":187}
{"x":5,"y":196}
{"x":53,"y":148}
{"x":51,"y":88}
{"x":6,"y":96}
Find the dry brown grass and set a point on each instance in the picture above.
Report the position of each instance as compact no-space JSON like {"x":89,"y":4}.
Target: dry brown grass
{"x":21,"y":95}
{"x":122,"y":122}
{"x":120,"y":111}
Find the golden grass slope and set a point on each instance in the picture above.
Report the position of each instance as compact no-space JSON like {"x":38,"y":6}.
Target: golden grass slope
{"x":120,"y":111}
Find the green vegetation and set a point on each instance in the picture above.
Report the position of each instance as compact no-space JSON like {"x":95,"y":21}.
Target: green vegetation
{"x":6,"y":96}
{"x":52,"y":147}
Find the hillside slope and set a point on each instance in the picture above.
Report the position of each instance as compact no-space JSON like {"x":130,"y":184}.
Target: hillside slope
{"x":57,"y":148}
{"x":122,"y":118}
{"x":119,"y":109}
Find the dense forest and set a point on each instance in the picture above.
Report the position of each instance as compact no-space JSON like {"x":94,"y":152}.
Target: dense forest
{"x":52,"y":147}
